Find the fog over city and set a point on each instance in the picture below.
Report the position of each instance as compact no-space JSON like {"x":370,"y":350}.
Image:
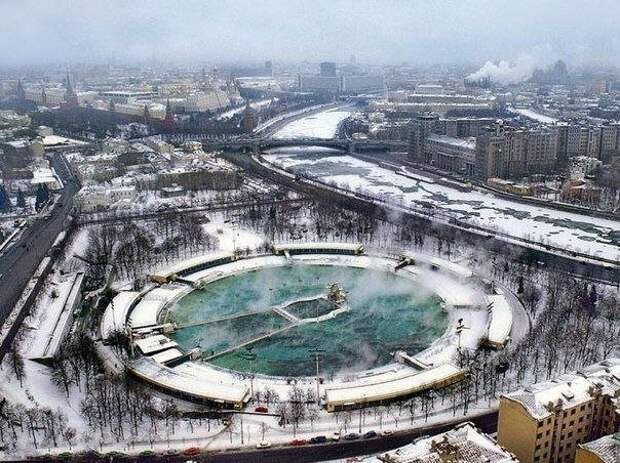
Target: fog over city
{"x":387,"y":32}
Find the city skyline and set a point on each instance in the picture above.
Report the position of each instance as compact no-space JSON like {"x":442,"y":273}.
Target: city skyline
{"x":383,"y":33}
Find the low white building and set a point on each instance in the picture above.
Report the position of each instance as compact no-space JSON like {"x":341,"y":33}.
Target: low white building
{"x":92,"y":198}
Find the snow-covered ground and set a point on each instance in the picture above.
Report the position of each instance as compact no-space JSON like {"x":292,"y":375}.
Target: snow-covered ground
{"x":320,"y":125}
{"x":530,"y":114}
{"x":548,"y":226}
{"x":254,"y":105}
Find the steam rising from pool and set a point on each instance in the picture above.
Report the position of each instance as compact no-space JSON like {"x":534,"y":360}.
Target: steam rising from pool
{"x":388,"y":313}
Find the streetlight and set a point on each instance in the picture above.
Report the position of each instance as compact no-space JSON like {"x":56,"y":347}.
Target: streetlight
{"x":316,"y":351}
{"x":250,"y":356}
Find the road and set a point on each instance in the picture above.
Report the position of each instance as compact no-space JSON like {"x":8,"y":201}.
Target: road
{"x":20,"y":261}
{"x":486,"y":422}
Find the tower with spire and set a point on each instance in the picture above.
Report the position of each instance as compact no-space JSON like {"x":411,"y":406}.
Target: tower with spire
{"x":169,"y":119}
{"x":20,"y":93}
{"x":71,"y":98}
{"x":147,"y":115}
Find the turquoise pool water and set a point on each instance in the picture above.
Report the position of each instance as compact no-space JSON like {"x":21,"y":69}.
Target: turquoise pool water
{"x":388,"y":313}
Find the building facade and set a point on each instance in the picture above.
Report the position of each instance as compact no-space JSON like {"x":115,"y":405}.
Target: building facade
{"x":546,"y":422}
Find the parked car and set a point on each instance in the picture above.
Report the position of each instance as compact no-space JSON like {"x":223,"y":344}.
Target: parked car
{"x":352,"y":436}
{"x":335,"y":436}
{"x":387,"y":432}
{"x":318,"y":440}
{"x":263,"y":445}
{"x":191,"y":451}
{"x":298,"y":442}
{"x":114,"y":455}
{"x":261,"y":410}
{"x":370,"y":435}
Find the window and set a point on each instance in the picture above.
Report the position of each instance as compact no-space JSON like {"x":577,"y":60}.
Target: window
{"x":539,"y":435}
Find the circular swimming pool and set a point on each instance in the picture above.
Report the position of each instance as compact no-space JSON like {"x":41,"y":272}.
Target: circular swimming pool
{"x":265,"y":320}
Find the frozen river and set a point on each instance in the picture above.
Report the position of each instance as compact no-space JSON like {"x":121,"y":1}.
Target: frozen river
{"x":567,"y":230}
{"x":319,"y":125}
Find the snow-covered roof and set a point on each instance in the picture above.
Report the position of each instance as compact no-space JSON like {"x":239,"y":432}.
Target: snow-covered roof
{"x":201,"y":387}
{"x":299,"y":246}
{"x":55,"y":140}
{"x":451,"y":267}
{"x":147,"y":310}
{"x":189,"y":264}
{"x":468,"y":143}
{"x":607,"y":448}
{"x":115,"y":315}
{"x":569,"y":390}
{"x":167,"y":355}
{"x":355,"y":392}
{"x":500,"y":319}
{"x":154,"y":344}
{"x":464,"y":440}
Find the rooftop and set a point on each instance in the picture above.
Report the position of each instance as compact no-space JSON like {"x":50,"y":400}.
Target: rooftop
{"x":607,"y":448}
{"x":462,"y":444}
{"x":570,"y":389}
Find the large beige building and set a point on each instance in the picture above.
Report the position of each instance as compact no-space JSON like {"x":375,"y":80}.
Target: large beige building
{"x":547,"y":421}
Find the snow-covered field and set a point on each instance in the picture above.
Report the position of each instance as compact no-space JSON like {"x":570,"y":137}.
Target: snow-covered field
{"x":563,"y":229}
{"x":320,"y":125}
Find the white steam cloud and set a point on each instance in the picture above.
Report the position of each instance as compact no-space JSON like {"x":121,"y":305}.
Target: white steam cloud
{"x":513,"y":72}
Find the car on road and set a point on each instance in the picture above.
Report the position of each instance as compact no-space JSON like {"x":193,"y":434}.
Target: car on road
{"x":387,"y":432}
{"x":298,"y":442}
{"x":114,"y":455}
{"x":147,"y":453}
{"x":318,"y":440}
{"x":261,"y":410}
{"x":335,"y":436}
{"x":263,"y":445}
{"x":352,"y":436}
{"x":191,"y":451}
{"x":370,"y":435}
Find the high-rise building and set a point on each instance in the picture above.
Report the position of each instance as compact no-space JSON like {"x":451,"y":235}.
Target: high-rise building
{"x":421,"y":129}
{"x":545,"y":422}
{"x":328,"y":69}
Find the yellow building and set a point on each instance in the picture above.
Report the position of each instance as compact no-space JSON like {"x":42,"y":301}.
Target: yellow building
{"x":547,"y":421}
{"x":603,"y":450}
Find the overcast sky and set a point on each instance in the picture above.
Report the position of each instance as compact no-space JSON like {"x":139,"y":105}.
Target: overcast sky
{"x":382,"y":32}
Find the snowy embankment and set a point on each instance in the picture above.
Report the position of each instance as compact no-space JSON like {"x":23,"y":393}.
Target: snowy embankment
{"x":567,"y":231}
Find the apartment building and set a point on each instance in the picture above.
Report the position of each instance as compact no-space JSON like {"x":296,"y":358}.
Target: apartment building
{"x":546,"y":422}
